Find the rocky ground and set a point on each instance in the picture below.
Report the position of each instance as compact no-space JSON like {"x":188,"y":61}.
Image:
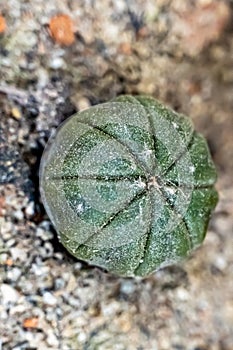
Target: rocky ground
{"x":180,"y":52}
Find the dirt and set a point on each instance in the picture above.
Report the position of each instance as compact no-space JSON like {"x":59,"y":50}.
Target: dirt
{"x":178,"y":52}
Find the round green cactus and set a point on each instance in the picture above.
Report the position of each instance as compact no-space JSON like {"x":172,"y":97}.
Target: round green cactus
{"x":128,"y":185}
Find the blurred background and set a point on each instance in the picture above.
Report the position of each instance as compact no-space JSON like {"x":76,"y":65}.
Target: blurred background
{"x":57,"y":57}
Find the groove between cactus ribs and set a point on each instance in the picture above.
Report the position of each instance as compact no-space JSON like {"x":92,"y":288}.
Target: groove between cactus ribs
{"x":133,"y":155}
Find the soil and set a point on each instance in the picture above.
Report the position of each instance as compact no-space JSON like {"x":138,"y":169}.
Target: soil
{"x":178,"y":52}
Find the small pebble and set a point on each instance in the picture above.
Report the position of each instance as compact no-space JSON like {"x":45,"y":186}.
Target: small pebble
{"x":18,"y":254}
{"x":49,"y":299}
{"x":83,"y":103}
{"x":9,"y":294}
{"x":6,"y":227}
{"x":127,"y":287}
{"x":16,"y":113}
{"x":2,"y":24}
{"x":220,"y":262}
{"x":182,"y":294}
{"x":30,"y":209}
{"x":14,"y":274}
{"x":45,"y":235}
{"x":52,"y":339}
{"x":57,"y":63}
{"x":18,"y":214}
{"x":10,"y":242}
{"x":82,"y":337}
{"x":39,"y":270}
{"x":59,"y":283}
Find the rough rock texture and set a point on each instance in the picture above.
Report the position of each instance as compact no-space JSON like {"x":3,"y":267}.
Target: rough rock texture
{"x":179,"y":52}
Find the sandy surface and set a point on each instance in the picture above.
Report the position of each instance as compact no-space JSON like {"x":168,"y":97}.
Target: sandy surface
{"x":177,"y":52}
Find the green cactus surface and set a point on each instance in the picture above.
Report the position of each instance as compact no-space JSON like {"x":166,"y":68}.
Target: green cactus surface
{"x":128,"y":185}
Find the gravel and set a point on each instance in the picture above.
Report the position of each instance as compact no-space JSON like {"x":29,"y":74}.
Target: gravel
{"x":49,"y":300}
